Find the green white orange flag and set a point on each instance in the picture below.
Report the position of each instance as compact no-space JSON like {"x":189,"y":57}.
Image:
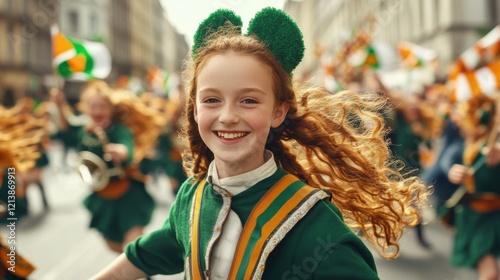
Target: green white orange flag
{"x":413,"y":55}
{"x":483,"y":81}
{"x":157,"y":80}
{"x":377,"y":55}
{"x":78,"y":59}
{"x":484,"y":50}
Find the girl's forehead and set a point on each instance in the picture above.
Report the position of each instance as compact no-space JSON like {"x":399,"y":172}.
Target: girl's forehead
{"x":233,"y":64}
{"x":98,"y":99}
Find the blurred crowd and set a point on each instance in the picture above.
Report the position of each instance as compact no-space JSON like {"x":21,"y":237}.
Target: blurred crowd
{"x":451,"y":146}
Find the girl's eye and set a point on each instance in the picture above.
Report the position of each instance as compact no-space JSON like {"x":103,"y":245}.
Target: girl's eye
{"x":249,"y":101}
{"x":210,"y":100}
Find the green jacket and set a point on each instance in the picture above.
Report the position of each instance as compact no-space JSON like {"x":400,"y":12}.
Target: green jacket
{"x":319,"y":246}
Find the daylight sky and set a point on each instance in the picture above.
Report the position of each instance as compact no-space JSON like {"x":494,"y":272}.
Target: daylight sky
{"x":185,"y":15}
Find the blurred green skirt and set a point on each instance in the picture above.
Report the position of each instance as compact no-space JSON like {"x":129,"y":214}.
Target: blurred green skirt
{"x":477,"y":235}
{"x":113,"y":218}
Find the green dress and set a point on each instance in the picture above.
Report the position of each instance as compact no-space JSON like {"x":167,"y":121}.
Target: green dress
{"x":405,"y":144}
{"x":319,"y":246}
{"x":477,"y":234}
{"x":113,"y":217}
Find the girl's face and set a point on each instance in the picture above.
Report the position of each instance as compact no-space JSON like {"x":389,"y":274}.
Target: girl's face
{"x":100,"y":111}
{"x":235,"y":108}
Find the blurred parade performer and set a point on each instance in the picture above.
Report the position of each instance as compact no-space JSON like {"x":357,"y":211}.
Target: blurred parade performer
{"x":448,"y":148}
{"x":477,"y":214}
{"x":410,"y":142}
{"x":34,"y":175}
{"x":410,"y":127}
{"x":120,"y":133}
{"x":24,"y":109}
{"x":167,"y":157}
{"x":20,"y":137}
{"x":279,"y":174}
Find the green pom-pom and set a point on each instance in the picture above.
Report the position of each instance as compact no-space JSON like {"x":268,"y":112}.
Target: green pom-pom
{"x":211,"y":24}
{"x":281,"y":35}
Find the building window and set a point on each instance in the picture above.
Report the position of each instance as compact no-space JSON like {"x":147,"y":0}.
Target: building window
{"x":9,"y":98}
{"x":73,"y":22}
{"x":10,"y":47}
{"x":8,"y":5}
{"x":94,"y":24}
{"x":436,"y":14}
{"x":5,"y":5}
{"x":25,"y":7}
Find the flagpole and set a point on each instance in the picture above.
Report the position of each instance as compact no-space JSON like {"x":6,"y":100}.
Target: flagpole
{"x":56,"y":85}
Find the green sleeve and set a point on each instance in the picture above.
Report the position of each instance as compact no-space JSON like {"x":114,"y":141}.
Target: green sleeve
{"x":70,"y":137}
{"x":332,"y":250}
{"x":158,"y":252}
{"x":345,"y":255}
{"x":122,"y":135}
{"x":347,"y":259}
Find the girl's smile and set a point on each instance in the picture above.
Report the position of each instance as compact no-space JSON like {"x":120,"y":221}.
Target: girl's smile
{"x":230,"y":135}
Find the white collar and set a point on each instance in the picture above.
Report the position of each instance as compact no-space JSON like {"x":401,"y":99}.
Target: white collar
{"x":239,"y":183}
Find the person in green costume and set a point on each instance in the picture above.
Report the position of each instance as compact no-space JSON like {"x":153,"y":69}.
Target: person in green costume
{"x":21,"y":135}
{"x":122,"y":209}
{"x":167,"y":157}
{"x":279,"y":176}
{"x":477,"y":216}
{"x":23,"y":110}
{"x":408,"y":138}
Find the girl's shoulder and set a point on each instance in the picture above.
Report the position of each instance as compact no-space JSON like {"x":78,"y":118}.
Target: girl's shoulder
{"x":187,"y":190}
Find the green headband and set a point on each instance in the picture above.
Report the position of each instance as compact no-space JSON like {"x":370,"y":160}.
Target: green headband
{"x":273,"y":27}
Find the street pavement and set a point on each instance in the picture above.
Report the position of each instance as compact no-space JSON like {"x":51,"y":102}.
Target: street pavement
{"x":62,"y":246}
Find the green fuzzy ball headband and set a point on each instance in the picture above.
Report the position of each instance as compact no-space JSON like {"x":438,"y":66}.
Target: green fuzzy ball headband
{"x":279,"y":33}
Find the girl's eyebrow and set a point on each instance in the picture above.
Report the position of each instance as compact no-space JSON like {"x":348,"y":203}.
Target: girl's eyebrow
{"x":243,"y":90}
{"x":208,"y":90}
{"x":252,"y":89}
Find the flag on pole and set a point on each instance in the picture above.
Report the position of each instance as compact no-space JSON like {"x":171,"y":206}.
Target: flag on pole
{"x":158,"y":80}
{"x":413,"y":55}
{"x":377,"y":55}
{"x":487,"y":48}
{"x":79,"y":59}
{"x":131,"y":83}
{"x":484,"y":81}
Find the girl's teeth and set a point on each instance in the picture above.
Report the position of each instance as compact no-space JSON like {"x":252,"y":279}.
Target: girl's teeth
{"x":226,"y":135}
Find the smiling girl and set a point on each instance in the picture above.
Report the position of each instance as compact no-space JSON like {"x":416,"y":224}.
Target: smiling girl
{"x":279,"y":175}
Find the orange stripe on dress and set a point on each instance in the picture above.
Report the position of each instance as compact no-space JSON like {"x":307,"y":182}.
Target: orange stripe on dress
{"x":273,"y":224}
{"x":469,"y":154}
{"x":195,"y":238}
{"x":259,"y":208}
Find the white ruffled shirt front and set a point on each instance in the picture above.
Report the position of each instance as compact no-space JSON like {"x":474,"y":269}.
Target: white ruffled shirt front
{"x":223,"y":251}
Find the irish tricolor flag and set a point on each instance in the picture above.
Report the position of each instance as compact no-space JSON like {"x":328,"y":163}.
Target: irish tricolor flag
{"x":483,"y":81}
{"x":413,"y":55}
{"x":79,"y":60}
{"x":377,"y":55}
{"x":484,"y":50}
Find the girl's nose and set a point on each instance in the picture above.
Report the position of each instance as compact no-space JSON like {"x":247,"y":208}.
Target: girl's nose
{"x":228,"y":114}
